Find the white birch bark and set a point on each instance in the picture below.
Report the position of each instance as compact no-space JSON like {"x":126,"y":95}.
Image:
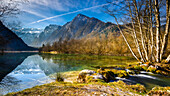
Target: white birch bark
{"x":167,"y":29}
{"x":157,"y":17}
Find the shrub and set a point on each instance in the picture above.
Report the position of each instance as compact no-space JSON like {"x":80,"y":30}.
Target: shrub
{"x":59,"y":77}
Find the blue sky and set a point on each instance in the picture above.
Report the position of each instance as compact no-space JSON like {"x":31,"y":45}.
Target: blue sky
{"x":37,"y":10}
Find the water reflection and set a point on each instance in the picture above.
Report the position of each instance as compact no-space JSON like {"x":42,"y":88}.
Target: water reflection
{"x":10,"y":61}
{"x":31,"y":72}
{"x":9,"y":84}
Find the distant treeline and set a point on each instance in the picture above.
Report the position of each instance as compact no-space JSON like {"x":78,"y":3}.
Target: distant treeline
{"x":103,"y":44}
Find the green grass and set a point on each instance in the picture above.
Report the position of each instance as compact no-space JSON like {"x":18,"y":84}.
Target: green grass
{"x":81,"y":89}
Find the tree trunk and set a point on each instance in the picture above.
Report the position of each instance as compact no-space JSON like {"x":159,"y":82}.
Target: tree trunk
{"x":125,"y":39}
{"x":134,"y":36}
{"x":167,"y":29}
{"x":157,"y":17}
{"x":141,"y":33}
{"x":151,"y":30}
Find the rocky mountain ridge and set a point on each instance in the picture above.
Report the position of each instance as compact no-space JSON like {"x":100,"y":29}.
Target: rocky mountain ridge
{"x":81,"y":26}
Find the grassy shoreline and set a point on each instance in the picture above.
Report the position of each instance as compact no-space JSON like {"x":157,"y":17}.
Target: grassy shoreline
{"x":82,"y":89}
{"x":118,"y":88}
{"x":71,"y":88}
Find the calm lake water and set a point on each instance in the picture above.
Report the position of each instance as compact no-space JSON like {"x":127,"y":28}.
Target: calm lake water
{"x":19,"y":71}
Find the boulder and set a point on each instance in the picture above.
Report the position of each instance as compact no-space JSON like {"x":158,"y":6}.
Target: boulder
{"x":107,"y":74}
{"x":86,"y":71}
{"x":82,"y":75}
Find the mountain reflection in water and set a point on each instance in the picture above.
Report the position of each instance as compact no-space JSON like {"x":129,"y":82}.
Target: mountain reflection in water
{"x":31,"y":72}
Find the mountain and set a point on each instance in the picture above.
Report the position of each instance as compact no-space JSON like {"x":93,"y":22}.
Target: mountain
{"x":27,"y":34}
{"x":47,"y":33}
{"x":9,"y":41}
{"x":81,"y":26}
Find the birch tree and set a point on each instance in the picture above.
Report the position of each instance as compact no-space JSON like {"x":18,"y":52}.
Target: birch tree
{"x":157,"y":17}
{"x":141,"y":20}
{"x":167,"y":29}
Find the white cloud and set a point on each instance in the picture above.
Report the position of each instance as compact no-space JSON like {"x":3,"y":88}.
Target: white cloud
{"x":35,"y":13}
{"x":48,"y":18}
{"x":58,"y":5}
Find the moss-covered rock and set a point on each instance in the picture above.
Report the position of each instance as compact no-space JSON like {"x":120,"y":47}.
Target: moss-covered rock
{"x":151,"y":69}
{"x":101,"y":71}
{"x":144,"y":67}
{"x":137,"y":67}
{"x":107,"y":74}
{"x":159,"y":91}
{"x":82,"y":75}
{"x":81,"y":78}
{"x":138,"y":88}
{"x":93,"y":79}
{"x":120,"y":73}
{"x":165,"y":73}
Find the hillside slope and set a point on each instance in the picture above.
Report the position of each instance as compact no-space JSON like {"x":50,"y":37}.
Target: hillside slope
{"x":9,"y":41}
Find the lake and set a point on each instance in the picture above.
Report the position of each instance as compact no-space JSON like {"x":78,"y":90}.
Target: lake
{"x":19,"y":71}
